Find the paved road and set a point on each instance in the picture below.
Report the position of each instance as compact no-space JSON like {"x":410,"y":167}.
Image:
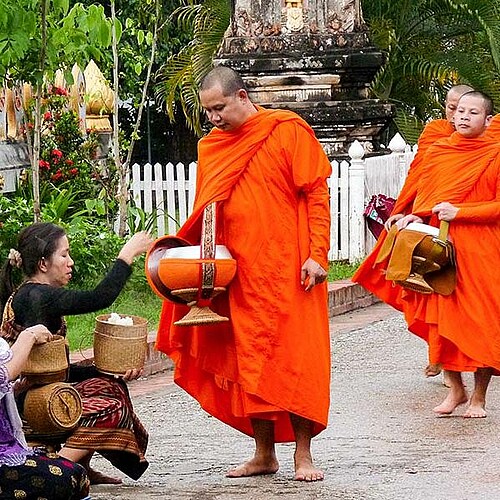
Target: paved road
{"x":383,"y":442}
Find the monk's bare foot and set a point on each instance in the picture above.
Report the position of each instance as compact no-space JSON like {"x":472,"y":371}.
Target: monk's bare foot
{"x":97,"y":477}
{"x":452,"y":401}
{"x":255,"y":467}
{"x":305,"y":469}
{"x":432,"y":369}
{"x":475,"y":411}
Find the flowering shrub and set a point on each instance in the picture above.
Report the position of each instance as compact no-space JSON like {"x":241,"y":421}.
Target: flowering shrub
{"x":66,"y":152}
{"x":68,"y":156}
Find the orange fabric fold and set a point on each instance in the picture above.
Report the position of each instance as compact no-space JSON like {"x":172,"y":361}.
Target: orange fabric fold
{"x":273,"y":357}
{"x":462,"y":328}
{"x":433,"y":131}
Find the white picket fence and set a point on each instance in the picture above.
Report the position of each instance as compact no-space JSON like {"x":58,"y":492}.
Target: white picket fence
{"x":167,"y":192}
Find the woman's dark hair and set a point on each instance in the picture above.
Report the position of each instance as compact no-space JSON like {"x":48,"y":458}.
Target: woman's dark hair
{"x":36,"y":242}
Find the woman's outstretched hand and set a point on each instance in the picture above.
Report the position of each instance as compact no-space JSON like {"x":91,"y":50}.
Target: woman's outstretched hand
{"x":137,"y":245}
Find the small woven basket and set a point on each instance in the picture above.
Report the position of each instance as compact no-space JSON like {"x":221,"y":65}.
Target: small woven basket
{"x":47,"y":363}
{"x":118,"y":348}
{"x":53,"y":408}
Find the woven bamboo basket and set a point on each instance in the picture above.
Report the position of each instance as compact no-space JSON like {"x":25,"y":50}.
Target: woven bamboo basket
{"x":118,"y":348}
{"x":53,"y":408}
{"x":47,"y":363}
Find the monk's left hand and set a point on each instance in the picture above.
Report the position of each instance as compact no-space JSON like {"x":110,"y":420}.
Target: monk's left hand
{"x":445,"y":211}
{"x":314,"y":271}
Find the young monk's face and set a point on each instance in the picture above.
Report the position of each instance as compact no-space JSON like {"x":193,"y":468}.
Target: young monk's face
{"x":470,"y":118}
{"x":226,"y":112}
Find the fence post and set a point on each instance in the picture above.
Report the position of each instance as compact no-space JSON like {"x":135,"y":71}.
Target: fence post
{"x":397,"y":145}
{"x":356,"y":202}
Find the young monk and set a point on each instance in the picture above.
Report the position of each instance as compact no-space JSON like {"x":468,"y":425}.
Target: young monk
{"x":267,"y":371}
{"x":460,"y":183}
{"x":368,"y":273}
{"x":433,"y":131}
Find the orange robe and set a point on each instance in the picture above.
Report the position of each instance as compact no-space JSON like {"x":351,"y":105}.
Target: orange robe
{"x":370,"y":274}
{"x":466,"y":173}
{"x":493,"y":130}
{"x":433,"y":131}
{"x":273,"y":357}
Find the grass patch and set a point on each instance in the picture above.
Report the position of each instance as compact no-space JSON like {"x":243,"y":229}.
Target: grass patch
{"x":341,"y":270}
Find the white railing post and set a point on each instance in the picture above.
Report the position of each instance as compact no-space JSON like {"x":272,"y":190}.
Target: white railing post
{"x":356,"y":202}
{"x":398,"y":147}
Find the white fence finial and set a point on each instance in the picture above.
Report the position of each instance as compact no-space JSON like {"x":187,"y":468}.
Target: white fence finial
{"x":356,"y":150}
{"x":397,"y":144}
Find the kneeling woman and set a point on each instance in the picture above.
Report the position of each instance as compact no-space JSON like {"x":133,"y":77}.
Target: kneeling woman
{"x":109,"y":424}
{"x":25,"y":473}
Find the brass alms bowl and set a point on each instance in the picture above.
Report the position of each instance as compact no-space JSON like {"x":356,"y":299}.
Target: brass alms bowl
{"x":176,"y":272}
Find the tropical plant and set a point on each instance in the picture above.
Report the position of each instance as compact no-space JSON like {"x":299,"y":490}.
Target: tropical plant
{"x":93,"y":245}
{"x":182,"y":73}
{"x":38,"y":37}
{"x":431,"y":45}
{"x":68,"y":159}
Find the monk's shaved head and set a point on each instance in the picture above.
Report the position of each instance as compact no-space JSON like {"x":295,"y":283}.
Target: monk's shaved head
{"x":228,"y":80}
{"x":452,"y":97}
{"x":487,"y":102}
{"x":458,"y":91}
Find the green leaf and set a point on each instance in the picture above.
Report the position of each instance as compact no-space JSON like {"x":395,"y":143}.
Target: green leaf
{"x":140,"y":37}
{"x":118,"y":30}
{"x":61,"y":6}
{"x":104,"y":34}
{"x":138,"y":68}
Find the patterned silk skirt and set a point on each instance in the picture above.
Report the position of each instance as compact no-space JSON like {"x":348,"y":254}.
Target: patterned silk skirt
{"x":110,"y":426}
{"x":44,"y":477}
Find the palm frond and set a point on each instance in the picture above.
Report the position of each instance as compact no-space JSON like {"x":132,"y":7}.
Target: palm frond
{"x":182,"y":73}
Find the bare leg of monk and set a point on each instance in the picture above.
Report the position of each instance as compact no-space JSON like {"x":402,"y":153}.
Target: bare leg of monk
{"x":83,"y":458}
{"x":305,"y":470}
{"x":264,"y":460}
{"x":456,"y":395}
{"x":477,"y":403}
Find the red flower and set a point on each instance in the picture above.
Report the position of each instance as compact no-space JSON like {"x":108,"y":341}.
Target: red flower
{"x":47,"y":116}
{"x":44,"y":164}
{"x":58,"y":175}
{"x":59,"y":91}
{"x":73,"y":171}
{"x":69,"y":162}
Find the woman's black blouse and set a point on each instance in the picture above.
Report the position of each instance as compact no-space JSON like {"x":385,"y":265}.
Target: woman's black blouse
{"x":36,"y":303}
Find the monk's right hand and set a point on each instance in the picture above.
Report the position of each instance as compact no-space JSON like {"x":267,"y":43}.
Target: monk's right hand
{"x":404,"y":221}
{"x":392,"y":220}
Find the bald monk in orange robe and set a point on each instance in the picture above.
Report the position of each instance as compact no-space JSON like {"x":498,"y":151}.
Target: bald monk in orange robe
{"x":460,"y":183}
{"x":267,"y":371}
{"x":369,"y":273}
